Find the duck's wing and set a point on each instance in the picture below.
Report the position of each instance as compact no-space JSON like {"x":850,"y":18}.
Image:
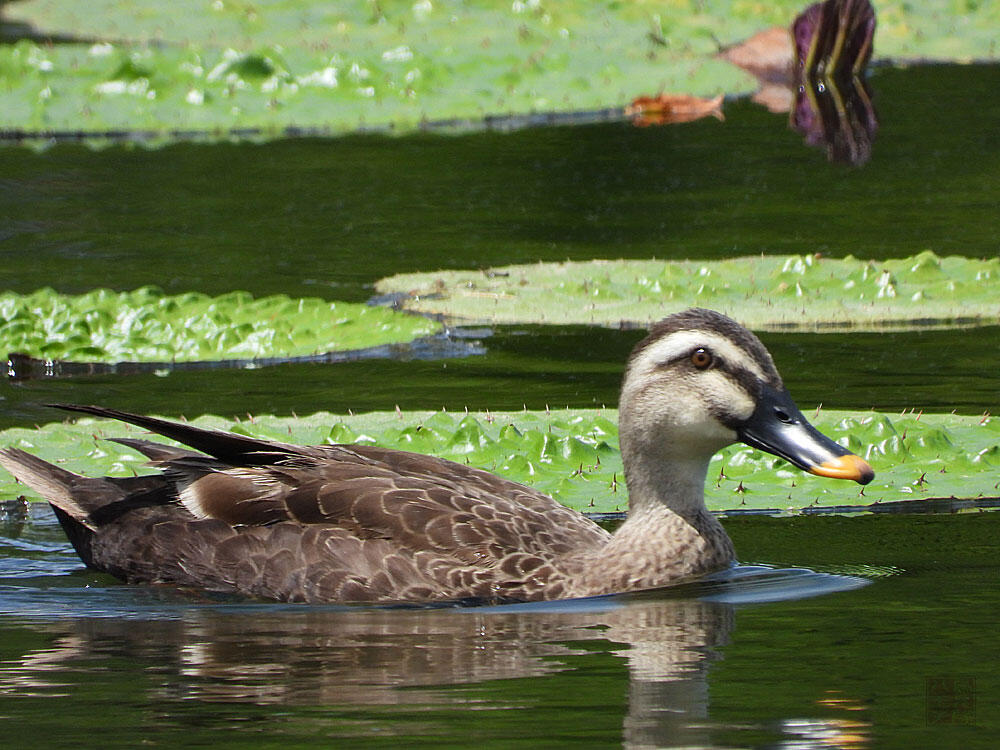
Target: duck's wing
{"x":320,"y":523}
{"x":419,"y":502}
{"x":386,"y":541}
{"x":315,"y":563}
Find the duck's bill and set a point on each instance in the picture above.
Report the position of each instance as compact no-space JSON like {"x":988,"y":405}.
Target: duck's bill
{"x":777,"y":426}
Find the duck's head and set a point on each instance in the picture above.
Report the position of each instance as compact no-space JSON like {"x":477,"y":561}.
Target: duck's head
{"x":701,"y":381}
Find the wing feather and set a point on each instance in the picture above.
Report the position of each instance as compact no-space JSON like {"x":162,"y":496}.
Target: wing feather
{"x":337,"y":523}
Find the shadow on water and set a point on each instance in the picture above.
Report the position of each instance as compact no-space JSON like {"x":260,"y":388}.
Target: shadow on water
{"x":442,"y":346}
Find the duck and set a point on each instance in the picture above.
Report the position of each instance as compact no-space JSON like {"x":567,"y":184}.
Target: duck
{"x":239,"y":515}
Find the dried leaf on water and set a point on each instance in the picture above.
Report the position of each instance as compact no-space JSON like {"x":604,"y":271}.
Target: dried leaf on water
{"x":667,"y":109}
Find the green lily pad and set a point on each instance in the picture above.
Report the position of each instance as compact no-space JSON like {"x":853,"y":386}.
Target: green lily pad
{"x":147,"y":325}
{"x":782,"y":291}
{"x":573,"y":454}
{"x":359,"y":76}
{"x":219,"y":66}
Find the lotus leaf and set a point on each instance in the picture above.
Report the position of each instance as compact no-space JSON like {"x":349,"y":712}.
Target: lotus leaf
{"x":194,"y":66}
{"x":147,"y":325}
{"x":765,"y":292}
{"x":573,"y":454}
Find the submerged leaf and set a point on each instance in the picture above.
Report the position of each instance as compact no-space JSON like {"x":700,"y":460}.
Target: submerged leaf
{"x":768,"y":55}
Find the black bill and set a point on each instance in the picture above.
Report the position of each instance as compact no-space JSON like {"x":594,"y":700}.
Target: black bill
{"x":777,"y":426}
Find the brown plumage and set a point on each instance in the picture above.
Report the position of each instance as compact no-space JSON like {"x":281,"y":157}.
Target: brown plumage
{"x":350,"y":523}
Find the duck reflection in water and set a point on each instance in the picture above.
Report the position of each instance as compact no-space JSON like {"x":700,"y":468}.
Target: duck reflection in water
{"x":273,"y":655}
{"x":815,"y":70}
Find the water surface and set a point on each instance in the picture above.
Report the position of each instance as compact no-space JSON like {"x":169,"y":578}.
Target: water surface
{"x":329,"y":217}
{"x":758,"y":656}
{"x":792,"y":654}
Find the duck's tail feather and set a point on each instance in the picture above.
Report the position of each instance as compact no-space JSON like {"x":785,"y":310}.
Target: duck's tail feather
{"x":84,"y":504}
{"x":226,"y":446}
{"x":51,"y":482}
{"x":157,"y":452}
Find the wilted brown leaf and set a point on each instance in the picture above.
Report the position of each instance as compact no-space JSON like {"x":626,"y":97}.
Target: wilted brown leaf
{"x":768,"y":55}
{"x":672,"y":108}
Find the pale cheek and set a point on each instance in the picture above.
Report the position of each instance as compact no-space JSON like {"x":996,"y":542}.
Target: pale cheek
{"x":677,"y":406}
{"x":680,"y":408}
{"x":726,"y":397}
{"x":694,"y":426}
{"x":717,"y":435}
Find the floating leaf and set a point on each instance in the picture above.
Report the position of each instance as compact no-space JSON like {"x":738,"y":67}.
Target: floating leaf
{"x":564,"y":453}
{"x":780,"y":291}
{"x":667,"y":109}
{"x":147,"y":325}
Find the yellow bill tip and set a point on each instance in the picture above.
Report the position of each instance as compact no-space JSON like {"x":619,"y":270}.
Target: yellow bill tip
{"x":845,"y":467}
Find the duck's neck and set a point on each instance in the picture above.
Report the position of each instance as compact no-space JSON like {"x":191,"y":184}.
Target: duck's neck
{"x":668,"y":534}
{"x":665,"y":482}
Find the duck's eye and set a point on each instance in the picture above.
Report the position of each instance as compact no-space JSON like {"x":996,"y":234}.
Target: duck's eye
{"x":702,"y":358}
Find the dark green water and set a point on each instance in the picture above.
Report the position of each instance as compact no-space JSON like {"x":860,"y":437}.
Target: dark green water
{"x":534,"y":367}
{"x":328,"y":218}
{"x":781,"y":658}
{"x":752,"y":658}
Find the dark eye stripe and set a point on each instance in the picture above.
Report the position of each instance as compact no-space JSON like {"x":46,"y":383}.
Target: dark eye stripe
{"x":743,"y":377}
{"x":747,"y":380}
{"x":685,"y":358}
